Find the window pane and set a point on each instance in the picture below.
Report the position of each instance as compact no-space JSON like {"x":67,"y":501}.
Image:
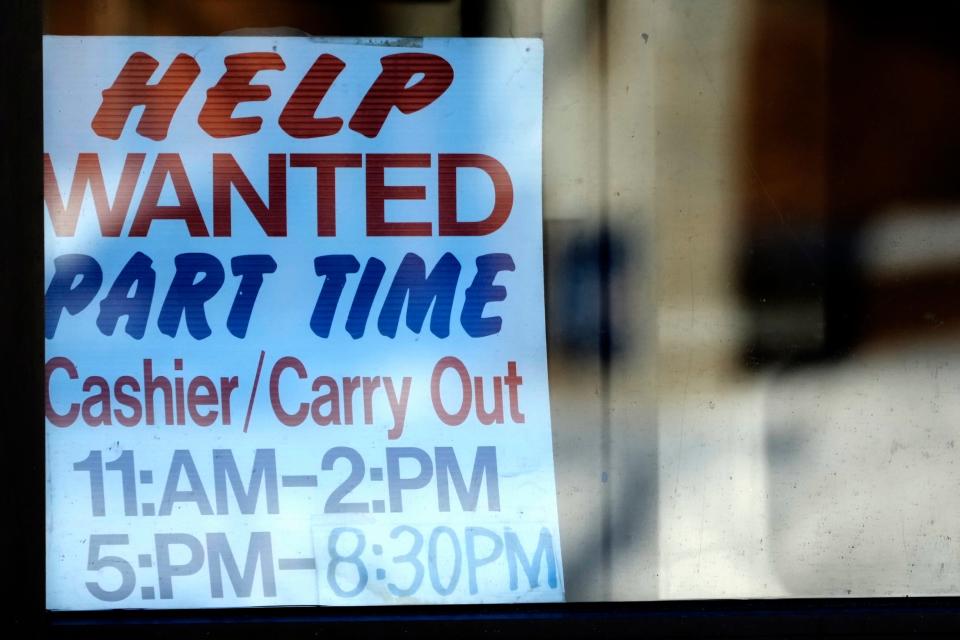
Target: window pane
{"x":750,"y":220}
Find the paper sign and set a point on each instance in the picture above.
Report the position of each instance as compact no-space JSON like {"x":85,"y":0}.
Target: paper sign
{"x":295,"y":348}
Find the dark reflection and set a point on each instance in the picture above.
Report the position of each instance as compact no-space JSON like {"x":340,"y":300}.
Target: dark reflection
{"x":582,"y":261}
{"x":852,"y":121}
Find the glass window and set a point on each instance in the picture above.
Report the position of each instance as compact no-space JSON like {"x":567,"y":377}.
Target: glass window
{"x":750,"y":263}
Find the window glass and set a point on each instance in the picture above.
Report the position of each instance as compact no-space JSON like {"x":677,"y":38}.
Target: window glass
{"x":750,"y":264}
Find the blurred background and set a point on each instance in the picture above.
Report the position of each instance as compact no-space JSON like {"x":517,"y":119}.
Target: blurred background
{"x":753,"y":208}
